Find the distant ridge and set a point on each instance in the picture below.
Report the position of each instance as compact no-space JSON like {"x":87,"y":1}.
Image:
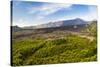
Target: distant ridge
{"x":71,"y":22}
{"x":16,"y":28}
{"x":63,"y":23}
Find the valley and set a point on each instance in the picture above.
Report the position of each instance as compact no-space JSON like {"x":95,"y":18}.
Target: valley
{"x":66,"y":44}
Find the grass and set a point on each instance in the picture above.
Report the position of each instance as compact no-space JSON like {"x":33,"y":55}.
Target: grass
{"x":67,"y":49}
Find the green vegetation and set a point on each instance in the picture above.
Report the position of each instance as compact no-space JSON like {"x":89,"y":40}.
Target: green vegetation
{"x":92,"y":28}
{"x":38,"y":51}
{"x":52,"y":48}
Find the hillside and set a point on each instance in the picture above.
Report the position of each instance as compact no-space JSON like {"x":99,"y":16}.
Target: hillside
{"x":15,"y":28}
{"x":54,"y":45}
{"x":63,"y":23}
{"x":92,"y":28}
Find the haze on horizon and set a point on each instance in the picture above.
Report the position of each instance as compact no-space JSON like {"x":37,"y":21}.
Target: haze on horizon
{"x":26,"y":13}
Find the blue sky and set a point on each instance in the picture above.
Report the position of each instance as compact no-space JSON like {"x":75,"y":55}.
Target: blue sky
{"x":26,"y":13}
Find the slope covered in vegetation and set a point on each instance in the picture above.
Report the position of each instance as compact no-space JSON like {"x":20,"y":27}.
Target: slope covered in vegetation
{"x":92,"y":28}
{"x":53,"y":47}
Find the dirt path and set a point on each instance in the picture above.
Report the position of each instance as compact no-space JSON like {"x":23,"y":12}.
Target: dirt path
{"x":88,"y":37}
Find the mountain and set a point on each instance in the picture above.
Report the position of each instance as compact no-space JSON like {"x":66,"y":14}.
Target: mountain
{"x":72,"y":22}
{"x":15,"y":28}
{"x":29,"y":27}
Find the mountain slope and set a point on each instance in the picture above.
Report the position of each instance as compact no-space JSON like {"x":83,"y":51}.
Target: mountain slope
{"x":16,"y":28}
{"x":91,"y":28}
{"x":71,"y":22}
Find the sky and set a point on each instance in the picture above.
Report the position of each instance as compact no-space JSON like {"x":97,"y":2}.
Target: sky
{"x":27,"y":13}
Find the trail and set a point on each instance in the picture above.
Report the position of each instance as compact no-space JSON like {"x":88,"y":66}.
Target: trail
{"x":88,"y":37}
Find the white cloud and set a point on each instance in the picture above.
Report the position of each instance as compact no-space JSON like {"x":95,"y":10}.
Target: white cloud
{"x":47,"y":9}
{"x":21,"y":23}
